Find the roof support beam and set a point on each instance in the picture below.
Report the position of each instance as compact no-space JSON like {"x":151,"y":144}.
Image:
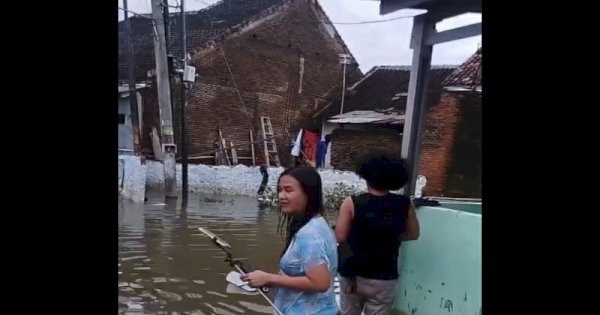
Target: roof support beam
{"x":424,"y":36}
{"x":445,"y":12}
{"x":442,"y":10}
{"x":415,"y":103}
{"x":388,"y":6}
{"x":453,"y":34}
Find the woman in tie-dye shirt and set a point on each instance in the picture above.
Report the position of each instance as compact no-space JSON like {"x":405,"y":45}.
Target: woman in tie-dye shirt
{"x":308,"y":264}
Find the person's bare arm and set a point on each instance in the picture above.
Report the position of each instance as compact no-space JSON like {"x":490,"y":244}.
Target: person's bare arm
{"x":345,"y":216}
{"x":317,"y":279}
{"x":315,"y":262}
{"x":413,"y":229}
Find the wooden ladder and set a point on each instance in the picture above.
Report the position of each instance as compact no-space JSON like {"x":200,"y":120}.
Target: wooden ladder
{"x":270,"y":147}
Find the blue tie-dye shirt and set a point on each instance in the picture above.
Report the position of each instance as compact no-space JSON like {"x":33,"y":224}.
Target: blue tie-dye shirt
{"x":313,"y":244}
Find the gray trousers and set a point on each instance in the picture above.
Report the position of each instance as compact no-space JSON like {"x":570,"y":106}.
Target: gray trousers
{"x":374,"y":297}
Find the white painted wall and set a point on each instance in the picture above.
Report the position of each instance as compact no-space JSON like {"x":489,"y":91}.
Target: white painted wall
{"x":132,"y":177}
{"x":240,"y":179}
{"x":222,"y":180}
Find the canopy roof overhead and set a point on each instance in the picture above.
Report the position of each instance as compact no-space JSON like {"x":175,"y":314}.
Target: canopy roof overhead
{"x":462,"y":6}
{"x":424,"y":37}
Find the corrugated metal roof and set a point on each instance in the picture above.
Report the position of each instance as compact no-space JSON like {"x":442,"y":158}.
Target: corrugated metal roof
{"x":125,"y":88}
{"x":367,"y":117}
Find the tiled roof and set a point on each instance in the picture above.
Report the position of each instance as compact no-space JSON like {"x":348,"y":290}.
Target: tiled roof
{"x":468,"y":74}
{"x":384,"y":88}
{"x":212,"y":23}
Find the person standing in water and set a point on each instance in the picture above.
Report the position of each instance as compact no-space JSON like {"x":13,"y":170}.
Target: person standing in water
{"x":265,"y":179}
{"x":308,"y":263}
{"x":370,"y":228}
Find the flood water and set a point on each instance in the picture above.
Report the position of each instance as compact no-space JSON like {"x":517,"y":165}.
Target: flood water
{"x":168,"y":267}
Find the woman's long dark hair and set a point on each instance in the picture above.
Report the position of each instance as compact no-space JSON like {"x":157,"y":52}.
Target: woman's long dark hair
{"x":310,"y":181}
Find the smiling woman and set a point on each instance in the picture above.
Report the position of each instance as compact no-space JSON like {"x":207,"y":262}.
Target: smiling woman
{"x":308,"y":264}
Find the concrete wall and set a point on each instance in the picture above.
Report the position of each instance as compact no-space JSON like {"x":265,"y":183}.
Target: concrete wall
{"x":441,"y":272}
{"x":471,"y":207}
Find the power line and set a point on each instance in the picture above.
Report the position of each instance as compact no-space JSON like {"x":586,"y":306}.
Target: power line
{"x":333,"y":23}
{"x":368,"y":22}
{"x":245,"y":110}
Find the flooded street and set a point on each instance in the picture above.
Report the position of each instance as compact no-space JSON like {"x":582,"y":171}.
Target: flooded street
{"x":167,"y":266}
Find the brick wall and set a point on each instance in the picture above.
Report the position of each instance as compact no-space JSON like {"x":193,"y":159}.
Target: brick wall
{"x":348,"y":146}
{"x":464,"y":171}
{"x":265,"y":64}
{"x":437,"y":142}
{"x":451,"y":147}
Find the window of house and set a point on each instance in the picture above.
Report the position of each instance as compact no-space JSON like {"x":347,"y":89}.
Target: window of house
{"x":121,"y":119}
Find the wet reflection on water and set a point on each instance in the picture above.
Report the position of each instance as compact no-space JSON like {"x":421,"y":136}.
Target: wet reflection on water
{"x":166,"y":266}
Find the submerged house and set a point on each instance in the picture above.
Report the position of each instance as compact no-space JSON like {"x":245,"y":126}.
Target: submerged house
{"x":373,"y":118}
{"x":373,"y":113}
{"x":272,"y":58}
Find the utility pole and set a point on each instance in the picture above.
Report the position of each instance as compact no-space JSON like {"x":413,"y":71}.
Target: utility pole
{"x":165,"y":13}
{"x":344,"y":59}
{"x":164,"y":100}
{"x":135,"y":126}
{"x":184,"y":153}
{"x":170,"y":59}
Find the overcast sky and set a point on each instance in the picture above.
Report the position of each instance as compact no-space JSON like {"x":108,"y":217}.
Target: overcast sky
{"x":372,"y":44}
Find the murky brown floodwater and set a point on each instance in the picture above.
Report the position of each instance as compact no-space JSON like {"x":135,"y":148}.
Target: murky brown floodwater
{"x":168,"y":267}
